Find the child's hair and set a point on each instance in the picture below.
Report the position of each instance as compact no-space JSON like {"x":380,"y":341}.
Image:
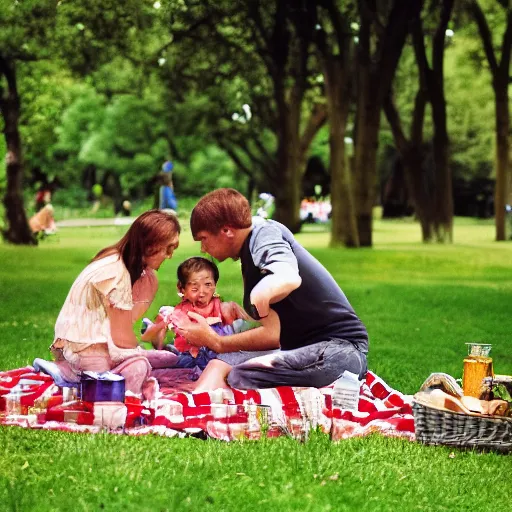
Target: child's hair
{"x":196,"y":264}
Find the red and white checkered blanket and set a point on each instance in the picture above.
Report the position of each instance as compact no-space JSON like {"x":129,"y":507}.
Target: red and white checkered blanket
{"x":227,"y":415}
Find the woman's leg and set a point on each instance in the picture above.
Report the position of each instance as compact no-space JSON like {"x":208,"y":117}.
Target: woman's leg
{"x":161,"y":359}
{"x":135,"y":370}
{"x":213,"y":376}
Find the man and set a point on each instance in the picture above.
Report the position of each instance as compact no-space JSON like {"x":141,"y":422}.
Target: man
{"x":309,"y":333}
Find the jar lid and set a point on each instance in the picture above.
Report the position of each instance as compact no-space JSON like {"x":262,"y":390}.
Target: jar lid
{"x":479,"y":349}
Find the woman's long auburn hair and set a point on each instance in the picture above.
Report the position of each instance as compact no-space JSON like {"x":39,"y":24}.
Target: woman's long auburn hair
{"x":149,"y":233}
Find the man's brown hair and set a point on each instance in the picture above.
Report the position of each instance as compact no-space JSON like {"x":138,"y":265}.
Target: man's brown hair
{"x":219,"y":208}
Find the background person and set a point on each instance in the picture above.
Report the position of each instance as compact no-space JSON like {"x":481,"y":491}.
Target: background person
{"x":43,"y":222}
{"x":167,"y":197}
{"x":43,"y":197}
{"x":303,"y":311}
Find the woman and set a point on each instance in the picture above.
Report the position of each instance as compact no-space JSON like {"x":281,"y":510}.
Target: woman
{"x":94,"y":330}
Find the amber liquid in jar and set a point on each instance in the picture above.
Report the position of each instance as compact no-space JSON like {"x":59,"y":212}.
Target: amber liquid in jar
{"x":476,"y":368}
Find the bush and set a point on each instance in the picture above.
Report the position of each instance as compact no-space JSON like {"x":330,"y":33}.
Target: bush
{"x":71,"y":197}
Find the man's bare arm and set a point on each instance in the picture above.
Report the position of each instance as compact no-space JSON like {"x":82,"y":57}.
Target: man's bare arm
{"x":265,"y":337}
{"x":274,"y":287}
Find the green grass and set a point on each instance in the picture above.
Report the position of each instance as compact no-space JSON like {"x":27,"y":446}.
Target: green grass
{"x":420,"y":304}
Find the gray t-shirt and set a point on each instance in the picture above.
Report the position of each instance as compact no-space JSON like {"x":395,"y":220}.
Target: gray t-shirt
{"x":316,"y":311}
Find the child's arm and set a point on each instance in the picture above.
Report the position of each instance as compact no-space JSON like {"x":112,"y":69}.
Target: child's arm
{"x":155,"y":332}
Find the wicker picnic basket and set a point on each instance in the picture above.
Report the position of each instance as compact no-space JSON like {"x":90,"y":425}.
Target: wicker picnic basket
{"x":441,"y":427}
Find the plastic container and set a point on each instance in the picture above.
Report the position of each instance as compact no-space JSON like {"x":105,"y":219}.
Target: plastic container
{"x":345,"y":394}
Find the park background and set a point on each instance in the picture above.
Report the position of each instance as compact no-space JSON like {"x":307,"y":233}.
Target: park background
{"x":398,"y":111}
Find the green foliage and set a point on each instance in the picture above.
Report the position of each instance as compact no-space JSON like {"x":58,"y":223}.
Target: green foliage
{"x":130,"y":136}
{"x":26,"y":28}
{"x":130,"y":141}
{"x":501,"y":391}
{"x":72,"y":197}
{"x":42,"y":111}
{"x":470,"y":111}
{"x":320,"y":146}
{"x":124,"y":86}
{"x":91,"y":33}
{"x":208,"y":169}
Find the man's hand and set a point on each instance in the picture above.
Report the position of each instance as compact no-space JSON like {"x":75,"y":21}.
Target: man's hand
{"x":260,"y":300}
{"x":196,"y":331}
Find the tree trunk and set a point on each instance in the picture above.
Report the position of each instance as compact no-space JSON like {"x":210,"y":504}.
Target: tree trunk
{"x":367,"y":141}
{"x":344,"y":223}
{"x":420,"y":188}
{"x":502,"y":157}
{"x":421,"y":194}
{"x":443,"y":204}
{"x":443,"y":225}
{"x":500,"y":80}
{"x":376,"y":70}
{"x":17,"y":229}
{"x":288,"y":195}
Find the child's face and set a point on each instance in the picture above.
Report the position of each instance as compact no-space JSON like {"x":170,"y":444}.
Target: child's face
{"x":200,"y":288}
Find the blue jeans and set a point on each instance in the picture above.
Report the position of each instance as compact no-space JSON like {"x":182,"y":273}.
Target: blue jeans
{"x":314,"y":365}
{"x":187,"y":360}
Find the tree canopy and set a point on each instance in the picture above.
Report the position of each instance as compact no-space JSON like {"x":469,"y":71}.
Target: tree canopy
{"x":243,"y":94}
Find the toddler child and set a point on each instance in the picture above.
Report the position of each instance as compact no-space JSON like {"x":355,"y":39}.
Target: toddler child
{"x":197,"y":281}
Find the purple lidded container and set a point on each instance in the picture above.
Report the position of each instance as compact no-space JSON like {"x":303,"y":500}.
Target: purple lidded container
{"x":101,"y":387}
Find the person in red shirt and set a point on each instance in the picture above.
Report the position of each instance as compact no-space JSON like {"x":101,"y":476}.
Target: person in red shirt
{"x":197,"y":282}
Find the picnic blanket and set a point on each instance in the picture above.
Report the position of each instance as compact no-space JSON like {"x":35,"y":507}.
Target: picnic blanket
{"x":221,"y":414}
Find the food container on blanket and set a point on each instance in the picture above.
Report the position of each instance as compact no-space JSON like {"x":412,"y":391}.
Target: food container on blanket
{"x":110,"y":415}
{"x":101,"y":387}
{"x":13,"y":405}
{"x":235,"y":421}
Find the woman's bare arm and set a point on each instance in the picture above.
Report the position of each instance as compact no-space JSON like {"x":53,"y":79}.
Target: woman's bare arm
{"x":121,"y":327}
{"x":143,"y":293}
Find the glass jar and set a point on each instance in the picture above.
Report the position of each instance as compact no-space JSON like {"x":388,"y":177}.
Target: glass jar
{"x":477,"y":366}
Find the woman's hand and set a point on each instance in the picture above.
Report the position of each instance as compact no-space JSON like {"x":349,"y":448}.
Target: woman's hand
{"x":196,"y":331}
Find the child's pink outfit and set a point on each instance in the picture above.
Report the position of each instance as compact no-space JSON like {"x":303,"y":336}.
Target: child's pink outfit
{"x":186,"y":306}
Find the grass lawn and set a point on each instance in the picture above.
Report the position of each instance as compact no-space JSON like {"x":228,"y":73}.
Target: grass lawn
{"x":420,"y":304}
